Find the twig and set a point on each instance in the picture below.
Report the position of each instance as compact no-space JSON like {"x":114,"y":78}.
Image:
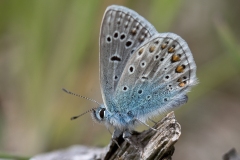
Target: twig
{"x":153,"y":145}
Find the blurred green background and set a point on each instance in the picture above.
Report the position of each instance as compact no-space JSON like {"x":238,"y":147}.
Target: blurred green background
{"x":46,"y":45}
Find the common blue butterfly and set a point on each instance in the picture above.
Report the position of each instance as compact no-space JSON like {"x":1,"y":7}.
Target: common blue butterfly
{"x":143,"y":73}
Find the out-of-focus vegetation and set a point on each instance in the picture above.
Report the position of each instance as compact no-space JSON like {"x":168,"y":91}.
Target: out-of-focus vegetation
{"x":46,"y":45}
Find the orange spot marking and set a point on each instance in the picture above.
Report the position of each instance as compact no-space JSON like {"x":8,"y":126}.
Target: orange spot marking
{"x":134,"y":31}
{"x":140,"y":51}
{"x":175,"y":58}
{"x":163,"y":46}
{"x":180,"y":69}
{"x":171,"y":50}
{"x":151,"y":49}
{"x":182,"y":84}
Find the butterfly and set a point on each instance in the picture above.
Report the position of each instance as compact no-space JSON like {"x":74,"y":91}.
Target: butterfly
{"x":143,"y":73}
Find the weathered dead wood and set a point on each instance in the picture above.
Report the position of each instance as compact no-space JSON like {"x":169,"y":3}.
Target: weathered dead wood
{"x":156,"y":145}
{"x":152,"y":145}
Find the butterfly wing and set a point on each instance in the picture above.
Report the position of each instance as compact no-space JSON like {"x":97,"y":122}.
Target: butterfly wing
{"x":122,"y":32}
{"x":157,"y":76}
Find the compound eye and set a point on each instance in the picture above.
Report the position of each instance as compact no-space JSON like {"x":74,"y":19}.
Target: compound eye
{"x":102,"y":113}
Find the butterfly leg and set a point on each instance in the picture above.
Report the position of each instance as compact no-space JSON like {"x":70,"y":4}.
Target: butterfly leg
{"x":116,"y":134}
{"x":132,"y":139}
{"x":152,"y":121}
{"x":117,"y":138}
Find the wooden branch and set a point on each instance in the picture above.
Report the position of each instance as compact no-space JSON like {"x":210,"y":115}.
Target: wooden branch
{"x":156,"y":145}
{"x":152,"y":145}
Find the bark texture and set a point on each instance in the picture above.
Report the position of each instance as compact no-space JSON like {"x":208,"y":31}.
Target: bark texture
{"x":148,"y":145}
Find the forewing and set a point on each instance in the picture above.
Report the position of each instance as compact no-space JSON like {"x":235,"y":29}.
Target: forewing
{"x":157,"y":76}
{"x":122,"y":32}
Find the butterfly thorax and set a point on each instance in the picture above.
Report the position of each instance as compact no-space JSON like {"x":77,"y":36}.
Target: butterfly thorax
{"x":118,"y":119}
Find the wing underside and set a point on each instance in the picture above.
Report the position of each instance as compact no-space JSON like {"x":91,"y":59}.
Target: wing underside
{"x":122,"y":32}
{"x":157,"y":76}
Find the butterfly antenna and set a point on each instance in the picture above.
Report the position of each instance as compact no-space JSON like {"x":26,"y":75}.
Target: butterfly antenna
{"x":90,"y":110}
{"x":69,"y":92}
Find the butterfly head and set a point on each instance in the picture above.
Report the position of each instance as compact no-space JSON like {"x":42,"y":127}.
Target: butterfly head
{"x":115,"y":119}
{"x":100,"y":114}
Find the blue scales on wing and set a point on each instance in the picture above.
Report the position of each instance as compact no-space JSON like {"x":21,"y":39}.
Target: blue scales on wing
{"x":157,"y":77}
